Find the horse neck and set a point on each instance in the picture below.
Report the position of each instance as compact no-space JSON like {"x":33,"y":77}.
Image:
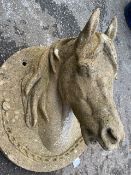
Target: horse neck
{"x":66,"y":70}
{"x":62,"y":106}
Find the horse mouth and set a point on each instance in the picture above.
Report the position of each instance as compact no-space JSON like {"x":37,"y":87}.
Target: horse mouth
{"x":89,"y":138}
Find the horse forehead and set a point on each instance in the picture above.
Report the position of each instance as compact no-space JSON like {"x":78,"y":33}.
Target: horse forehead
{"x":97,"y":44}
{"x":93,"y":56}
{"x":107,"y":45}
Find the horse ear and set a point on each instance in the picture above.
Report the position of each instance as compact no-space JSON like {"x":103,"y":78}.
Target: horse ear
{"x":89,"y":29}
{"x":112,"y":29}
{"x":54,"y":58}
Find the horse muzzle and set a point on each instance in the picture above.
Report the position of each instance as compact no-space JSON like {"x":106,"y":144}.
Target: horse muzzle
{"x":111,"y":137}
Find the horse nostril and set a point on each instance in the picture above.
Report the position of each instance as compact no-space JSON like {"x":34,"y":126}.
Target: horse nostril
{"x":111,"y":136}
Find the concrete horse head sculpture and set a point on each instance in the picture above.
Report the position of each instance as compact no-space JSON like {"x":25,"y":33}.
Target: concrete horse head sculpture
{"x":75,"y":76}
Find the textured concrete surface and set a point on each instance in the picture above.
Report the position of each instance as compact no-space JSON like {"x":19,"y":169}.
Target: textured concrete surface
{"x":25,"y":23}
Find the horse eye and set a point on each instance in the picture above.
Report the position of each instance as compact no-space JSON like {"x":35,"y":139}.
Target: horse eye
{"x":83,"y":70}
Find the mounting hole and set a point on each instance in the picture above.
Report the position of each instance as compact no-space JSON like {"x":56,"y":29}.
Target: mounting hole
{"x":24,"y":63}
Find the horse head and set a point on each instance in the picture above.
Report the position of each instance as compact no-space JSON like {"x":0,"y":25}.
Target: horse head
{"x":86,"y":78}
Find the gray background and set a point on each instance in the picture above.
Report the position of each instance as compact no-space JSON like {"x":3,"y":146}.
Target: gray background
{"x":25,"y":23}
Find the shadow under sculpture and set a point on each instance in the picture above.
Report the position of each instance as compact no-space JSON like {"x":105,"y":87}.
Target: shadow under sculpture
{"x":67,"y":90}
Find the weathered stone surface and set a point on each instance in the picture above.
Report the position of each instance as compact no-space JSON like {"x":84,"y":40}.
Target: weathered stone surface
{"x":60,"y":92}
{"x":26,"y":23}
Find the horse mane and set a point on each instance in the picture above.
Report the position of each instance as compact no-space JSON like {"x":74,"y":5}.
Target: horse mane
{"x":33,"y":96}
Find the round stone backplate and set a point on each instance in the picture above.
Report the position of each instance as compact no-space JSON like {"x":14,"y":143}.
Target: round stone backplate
{"x":19,"y":143}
